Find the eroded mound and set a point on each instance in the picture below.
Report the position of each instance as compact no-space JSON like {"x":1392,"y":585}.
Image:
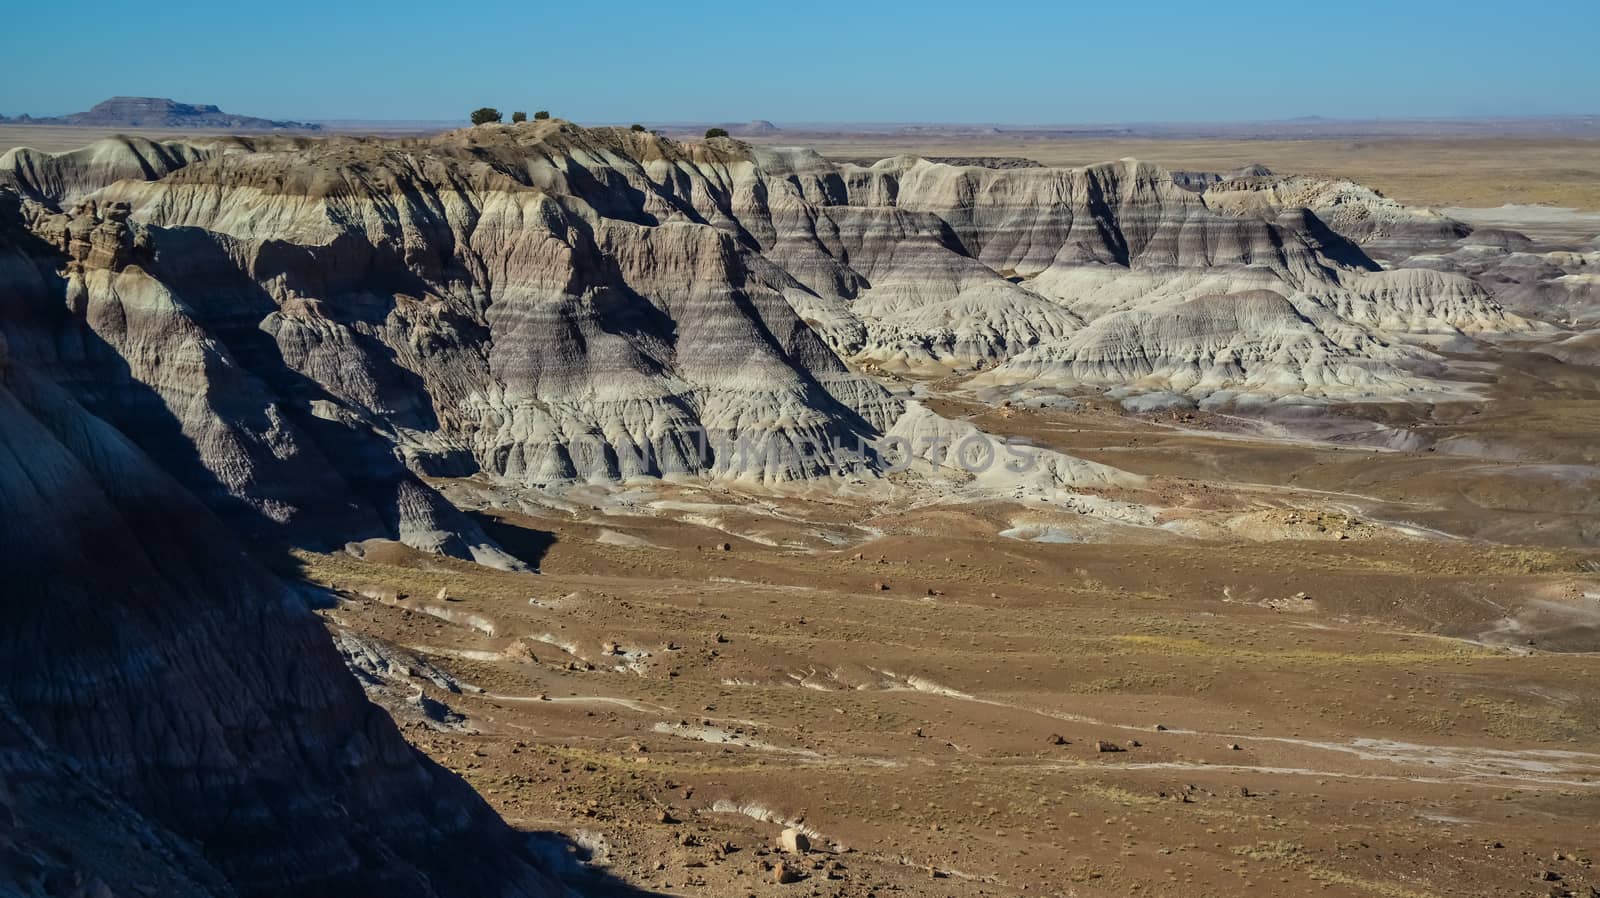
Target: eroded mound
{"x":304,"y":330}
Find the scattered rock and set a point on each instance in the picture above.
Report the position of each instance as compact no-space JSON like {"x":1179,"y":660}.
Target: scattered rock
{"x":783,"y":874}
{"x":880,"y":586}
{"x":1103,"y":746}
{"x":725,"y":547}
{"x":1057,"y":739}
{"x":794,"y":841}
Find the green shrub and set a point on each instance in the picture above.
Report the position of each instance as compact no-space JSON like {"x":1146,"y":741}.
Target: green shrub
{"x":485,"y":115}
{"x":541,"y":115}
{"x":519,"y":116}
{"x":716,"y":132}
{"x":636,"y":127}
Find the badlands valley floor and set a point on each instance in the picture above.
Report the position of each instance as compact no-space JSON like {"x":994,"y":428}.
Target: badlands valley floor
{"x":1369,"y":673}
{"x":1307,"y":602}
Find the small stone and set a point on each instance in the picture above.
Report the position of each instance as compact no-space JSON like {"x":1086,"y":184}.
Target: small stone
{"x":1058,"y":739}
{"x":666,"y":817}
{"x":880,"y":586}
{"x":1103,"y":746}
{"x":1234,"y":746}
{"x":793,"y":841}
{"x":444,"y":594}
{"x":783,"y":874}
{"x":725,"y":547}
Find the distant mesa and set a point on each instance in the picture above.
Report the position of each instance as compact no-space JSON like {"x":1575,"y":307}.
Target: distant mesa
{"x":757,"y":128}
{"x":157,"y":112}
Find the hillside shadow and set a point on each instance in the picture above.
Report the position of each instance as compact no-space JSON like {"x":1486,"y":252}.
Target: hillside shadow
{"x":526,"y":544}
{"x":205,"y":576}
{"x":569,"y":861}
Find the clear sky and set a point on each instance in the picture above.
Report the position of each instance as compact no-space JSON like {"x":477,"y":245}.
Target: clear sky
{"x":818,"y":60}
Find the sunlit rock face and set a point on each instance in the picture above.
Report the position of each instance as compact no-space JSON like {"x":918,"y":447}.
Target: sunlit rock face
{"x":303,"y":331}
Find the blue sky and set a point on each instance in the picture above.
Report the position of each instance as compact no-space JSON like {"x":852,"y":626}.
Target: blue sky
{"x":1011,"y":62}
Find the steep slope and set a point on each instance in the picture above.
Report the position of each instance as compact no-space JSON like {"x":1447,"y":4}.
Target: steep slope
{"x":146,"y":652}
{"x":542,"y":304}
{"x":1257,"y":341}
{"x":201,"y":392}
{"x":64,"y":834}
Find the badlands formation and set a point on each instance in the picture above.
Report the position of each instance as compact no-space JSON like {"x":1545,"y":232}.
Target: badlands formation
{"x":1267,"y":445}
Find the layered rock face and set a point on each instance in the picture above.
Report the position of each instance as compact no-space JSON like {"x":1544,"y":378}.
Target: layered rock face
{"x":202,"y":391}
{"x":302,"y":331}
{"x":1560,"y":283}
{"x":175,"y":720}
{"x":1353,"y":210}
{"x":52,"y":818}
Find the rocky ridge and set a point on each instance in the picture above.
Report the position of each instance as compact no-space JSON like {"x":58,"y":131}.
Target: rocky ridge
{"x":327,"y":323}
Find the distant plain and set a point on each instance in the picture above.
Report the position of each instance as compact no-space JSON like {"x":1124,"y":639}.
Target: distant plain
{"x":1474,"y":171}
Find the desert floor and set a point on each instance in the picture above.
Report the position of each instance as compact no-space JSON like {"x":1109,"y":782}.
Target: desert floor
{"x":1359,"y":672}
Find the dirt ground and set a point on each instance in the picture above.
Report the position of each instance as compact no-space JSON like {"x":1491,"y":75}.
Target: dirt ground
{"x":1332,"y":670}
